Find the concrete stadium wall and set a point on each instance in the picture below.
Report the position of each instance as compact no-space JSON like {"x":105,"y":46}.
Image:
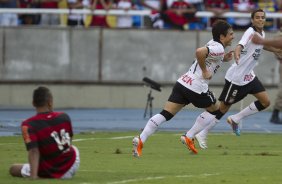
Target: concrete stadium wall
{"x":100,"y":96}
{"x":108,"y":55}
{"x":99,"y":56}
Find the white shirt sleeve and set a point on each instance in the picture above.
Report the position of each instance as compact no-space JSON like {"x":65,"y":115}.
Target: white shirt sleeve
{"x":216,"y":52}
{"x":247,"y":36}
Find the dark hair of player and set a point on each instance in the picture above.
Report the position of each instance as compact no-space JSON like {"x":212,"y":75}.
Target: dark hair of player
{"x":255,"y":11}
{"x":220,"y":27}
{"x":41,"y":96}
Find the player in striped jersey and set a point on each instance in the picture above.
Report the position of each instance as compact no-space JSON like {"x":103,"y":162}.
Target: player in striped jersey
{"x":47,"y":137}
{"x":240,"y":79}
{"x":192,"y":87}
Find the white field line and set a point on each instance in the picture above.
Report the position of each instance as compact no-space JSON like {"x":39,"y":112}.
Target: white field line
{"x":265,"y":129}
{"x":138,"y":180}
{"x":79,"y":140}
{"x":211,"y":134}
{"x":110,"y":138}
{"x":161,"y":178}
{"x":4,"y":144}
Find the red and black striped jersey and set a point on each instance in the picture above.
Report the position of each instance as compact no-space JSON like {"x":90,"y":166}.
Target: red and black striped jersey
{"x":51,"y":133}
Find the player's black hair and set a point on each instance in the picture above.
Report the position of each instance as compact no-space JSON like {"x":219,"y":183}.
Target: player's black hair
{"x":255,"y":11}
{"x":220,"y":27}
{"x":41,"y":96}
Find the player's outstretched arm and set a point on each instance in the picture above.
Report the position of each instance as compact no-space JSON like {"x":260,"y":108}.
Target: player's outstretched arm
{"x":237,"y":53}
{"x":277,"y":42}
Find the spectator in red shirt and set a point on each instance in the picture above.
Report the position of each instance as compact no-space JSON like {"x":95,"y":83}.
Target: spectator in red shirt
{"x":179,"y":14}
{"x":100,"y":20}
{"x":48,"y":137}
{"x":218,"y":7}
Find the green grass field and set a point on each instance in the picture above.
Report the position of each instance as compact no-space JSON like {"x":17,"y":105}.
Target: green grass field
{"x":106,"y":158}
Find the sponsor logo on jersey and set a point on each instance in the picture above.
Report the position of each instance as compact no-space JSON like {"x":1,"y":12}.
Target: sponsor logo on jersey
{"x":217,"y":54}
{"x":248,"y":77}
{"x":256,"y":54}
{"x":187,"y":79}
{"x":216,"y":68}
{"x":244,"y":52}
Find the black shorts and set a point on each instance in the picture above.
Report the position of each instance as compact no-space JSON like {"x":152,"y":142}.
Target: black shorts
{"x":233,"y":93}
{"x":183,"y":95}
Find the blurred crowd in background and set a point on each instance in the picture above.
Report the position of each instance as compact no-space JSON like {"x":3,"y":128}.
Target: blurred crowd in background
{"x":166,"y":14}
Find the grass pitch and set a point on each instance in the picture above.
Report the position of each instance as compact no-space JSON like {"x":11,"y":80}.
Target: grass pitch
{"x":106,"y":158}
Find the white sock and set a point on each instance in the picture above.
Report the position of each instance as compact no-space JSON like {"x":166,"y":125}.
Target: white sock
{"x":205,"y":131}
{"x":151,"y":126}
{"x":251,"y":109}
{"x":202,"y":121}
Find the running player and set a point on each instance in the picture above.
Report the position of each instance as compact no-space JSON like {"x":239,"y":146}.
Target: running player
{"x":192,"y":87}
{"x":240,"y":80}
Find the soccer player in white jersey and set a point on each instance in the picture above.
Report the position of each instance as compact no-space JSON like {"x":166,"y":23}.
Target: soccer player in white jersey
{"x":192,"y":87}
{"x":240,"y":80}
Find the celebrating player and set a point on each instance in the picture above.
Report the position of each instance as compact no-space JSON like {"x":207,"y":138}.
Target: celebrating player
{"x":240,"y":79}
{"x":192,"y":87}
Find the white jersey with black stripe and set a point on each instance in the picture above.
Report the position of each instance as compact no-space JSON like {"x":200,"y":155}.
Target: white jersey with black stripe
{"x":242,"y":73}
{"x":193,"y":79}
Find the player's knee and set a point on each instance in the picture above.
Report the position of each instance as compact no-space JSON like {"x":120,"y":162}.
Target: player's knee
{"x":15,"y":170}
{"x":224,"y":107}
{"x":166,"y":114}
{"x":266,"y":104}
{"x":12,"y":170}
{"x":262,"y":105}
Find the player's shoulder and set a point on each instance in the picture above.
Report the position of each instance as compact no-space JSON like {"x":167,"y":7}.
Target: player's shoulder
{"x":27,"y":121}
{"x":215,"y":46}
{"x":61,"y":115}
{"x":250,"y":29}
{"x":32,"y":119}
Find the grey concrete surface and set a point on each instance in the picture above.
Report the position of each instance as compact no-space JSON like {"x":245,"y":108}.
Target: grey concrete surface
{"x":100,"y":96}
{"x":104,"y":55}
{"x":108,"y":54}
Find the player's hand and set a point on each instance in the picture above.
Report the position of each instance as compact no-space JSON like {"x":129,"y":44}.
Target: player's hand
{"x":228,"y":56}
{"x":237,"y":57}
{"x":257,"y":39}
{"x":207,"y":75}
